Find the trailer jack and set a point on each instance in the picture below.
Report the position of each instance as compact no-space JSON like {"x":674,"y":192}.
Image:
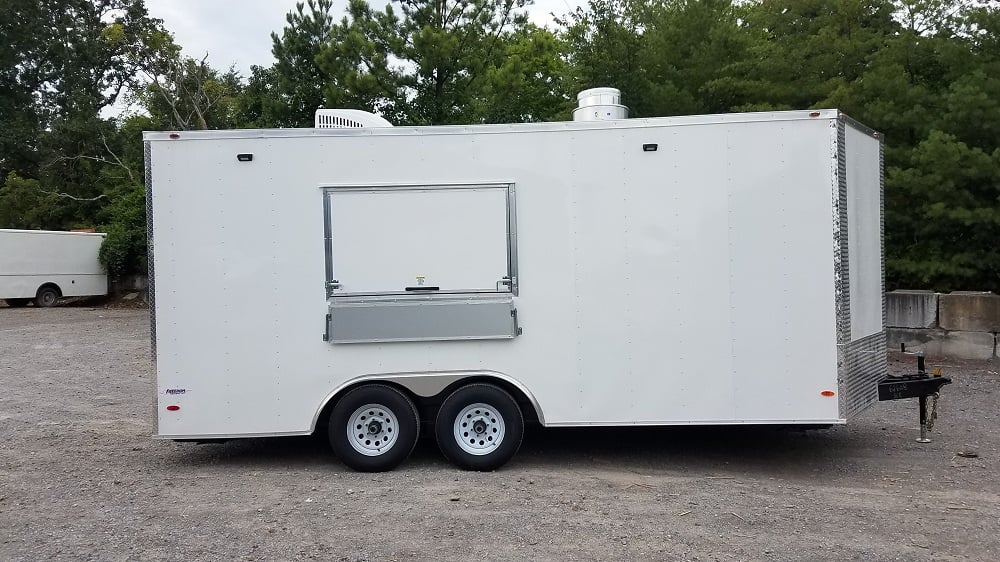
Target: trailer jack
{"x":922,"y":385}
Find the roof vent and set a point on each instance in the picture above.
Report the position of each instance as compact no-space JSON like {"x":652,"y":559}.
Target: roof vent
{"x":348,"y":119}
{"x":600,"y":104}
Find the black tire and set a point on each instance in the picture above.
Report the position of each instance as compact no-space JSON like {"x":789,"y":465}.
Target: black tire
{"x":17,"y":303}
{"x":392,"y":417}
{"x":496,"y":413}
{"x":46,"y":297}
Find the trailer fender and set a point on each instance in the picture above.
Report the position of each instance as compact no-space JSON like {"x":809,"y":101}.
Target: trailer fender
{"x":426,"y":385}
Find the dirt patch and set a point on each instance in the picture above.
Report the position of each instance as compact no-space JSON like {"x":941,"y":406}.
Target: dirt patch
{"x":80,"y":478}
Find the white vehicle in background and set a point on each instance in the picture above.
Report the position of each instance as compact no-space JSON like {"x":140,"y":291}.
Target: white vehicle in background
{"x":699,"y":270}
{"x":41,"y":266}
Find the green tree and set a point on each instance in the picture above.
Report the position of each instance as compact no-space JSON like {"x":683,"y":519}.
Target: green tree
{"x":260,"y":104}
{"x":806,"y":53}
{"x":57,"y":62}
{"x":123,"y":218}
{"x":61,"y":63}
{"x":21,"y":54}
{"x":192,"y":95}
{"x":450,"y":47}
{"x":945,"y":216}
{"x":443,"y":62}
{"x":124,"y":249}
{"x":25,"y":204}
{"x":530,"y":82}
{"x":688,"y":45}
{"x":935,"y":92}
{"x":355,"y":60}
{"x":603,"y":45}
{"x":299,"y":79}
{"x":672,"y":57}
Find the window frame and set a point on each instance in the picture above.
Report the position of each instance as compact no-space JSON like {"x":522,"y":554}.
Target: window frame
{"x":331,"y":283}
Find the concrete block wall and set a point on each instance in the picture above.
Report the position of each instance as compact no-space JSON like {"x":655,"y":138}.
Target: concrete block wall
{"x":912,"y":309}
{"x":970,"y":312}
{"x":961,"y":324}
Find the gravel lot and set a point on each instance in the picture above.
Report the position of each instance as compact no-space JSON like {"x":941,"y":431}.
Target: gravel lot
{"x":80,"y":478}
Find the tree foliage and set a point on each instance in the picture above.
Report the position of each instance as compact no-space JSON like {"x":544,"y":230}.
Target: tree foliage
{"x":444,"y":62}
{"x":189,"y":94}
{"x":61,"y":63}
{"x":297,"y":77}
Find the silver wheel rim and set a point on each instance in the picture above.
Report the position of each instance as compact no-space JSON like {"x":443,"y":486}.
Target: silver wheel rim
{"x":48,"y":298}
{"x":479,"y":429}
{"x":372,"y":430}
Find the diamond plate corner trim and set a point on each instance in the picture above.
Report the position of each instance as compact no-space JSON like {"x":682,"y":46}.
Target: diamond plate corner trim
{"x":864,"y":362}
{"x":841,"y":281}
{"x":881,"y":205}
{"x":147,"y":151}
{"x":840,"y":237}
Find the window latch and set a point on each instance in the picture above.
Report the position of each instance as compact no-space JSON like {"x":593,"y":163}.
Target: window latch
{"x":332,"y":286}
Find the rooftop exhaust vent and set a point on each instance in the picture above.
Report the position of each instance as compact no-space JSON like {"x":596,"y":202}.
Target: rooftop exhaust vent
{"x":600,"y":104}
{"x":348,"y":119}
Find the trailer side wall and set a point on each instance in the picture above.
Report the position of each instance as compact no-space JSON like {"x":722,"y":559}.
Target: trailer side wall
{"x":690,"y":284}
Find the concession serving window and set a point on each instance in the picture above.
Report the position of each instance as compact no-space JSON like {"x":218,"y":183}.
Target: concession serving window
{"x":420,"y":262}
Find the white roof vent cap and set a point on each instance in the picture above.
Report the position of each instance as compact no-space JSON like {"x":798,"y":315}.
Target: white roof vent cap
{"x":600,"y":104}
{"x":348,"y":119}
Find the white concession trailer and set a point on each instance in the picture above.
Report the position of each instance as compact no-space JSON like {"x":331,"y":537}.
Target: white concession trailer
{"x":41,"y":266}
{"x":369,"y":279}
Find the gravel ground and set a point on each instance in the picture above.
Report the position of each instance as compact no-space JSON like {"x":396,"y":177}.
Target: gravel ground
{"x":80,"y":478}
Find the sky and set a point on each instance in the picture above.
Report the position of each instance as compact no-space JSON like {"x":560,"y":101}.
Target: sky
{"x":238,"y":32}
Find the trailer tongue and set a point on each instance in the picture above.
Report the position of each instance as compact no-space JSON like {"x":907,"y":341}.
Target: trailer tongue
{"x":922,"y":385}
